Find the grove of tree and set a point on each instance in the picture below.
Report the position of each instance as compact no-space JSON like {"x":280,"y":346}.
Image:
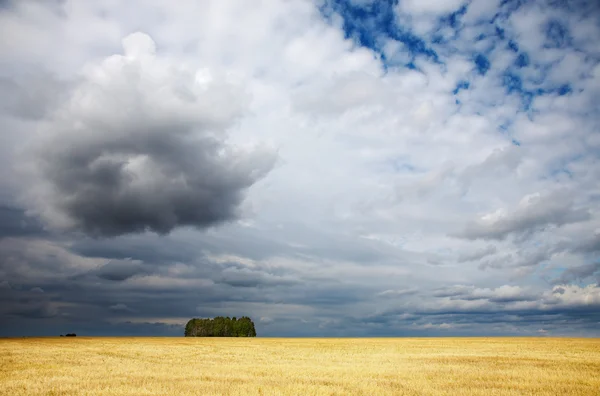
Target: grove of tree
{"x":220,"y":327}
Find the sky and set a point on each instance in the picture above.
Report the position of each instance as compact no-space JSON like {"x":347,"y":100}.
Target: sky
{"x":328,"y":168}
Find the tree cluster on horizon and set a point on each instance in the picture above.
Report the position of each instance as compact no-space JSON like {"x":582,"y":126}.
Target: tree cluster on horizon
{"x":220,"y":326}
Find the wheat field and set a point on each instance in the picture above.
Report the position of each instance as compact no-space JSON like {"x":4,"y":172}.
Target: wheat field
{"x":299,"y":366}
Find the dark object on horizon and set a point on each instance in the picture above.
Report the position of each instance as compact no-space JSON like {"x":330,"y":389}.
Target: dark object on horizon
{"x":220,"y":327}
{"x":71,"y":335}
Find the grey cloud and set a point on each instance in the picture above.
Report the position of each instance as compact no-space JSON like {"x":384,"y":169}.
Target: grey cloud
{"x":521,"y":259}
{"x":502,"y":294}
{"x":120,"y":270}
{"x":322,"y":244}
{"x":328,"y":294}
{"x":563,"y":300}
{"x":54,"y":5}
{"x":504,"y":260}
{"x":245,"y":277}
{"x":559,"y":290}
{"x":137,"y":152}
{"x":150,"y":249}
{"x":35,"y":311}
{"x":120,"y":308}
{"x":499,"y":161}
{"x":477,"y":255}
{"x":434,"y":261}
{"x":533,"y":212}
{"x":27,"y":260}
{"x":53,"y":326}
{"x":452,"y":291}
{"x":398,"y":292}
{"x":505,"y":298}
{"x":94,"y":302}
{"x":589,"y":245}
{"x":31,"y":96}
{"x":15,"y":222}
{"x":579,"y":273}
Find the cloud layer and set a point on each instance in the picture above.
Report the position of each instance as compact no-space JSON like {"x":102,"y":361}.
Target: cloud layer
{"x":337,"y":167}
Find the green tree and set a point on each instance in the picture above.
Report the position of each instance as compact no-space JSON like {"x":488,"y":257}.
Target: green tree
{"x":220,"y":327}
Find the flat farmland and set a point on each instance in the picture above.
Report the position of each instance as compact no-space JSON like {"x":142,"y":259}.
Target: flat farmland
{"x":299,"y":366}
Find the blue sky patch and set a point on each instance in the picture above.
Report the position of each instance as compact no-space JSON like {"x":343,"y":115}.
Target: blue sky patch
{"x":513,"y":83}
{"x":522,"y":60}
{"x":461,"y":85}
{"x":557,"y":35}
{"x":370,"y":26}
{"x":513,"y":46}
{"x":482,"y":64}
{"x":565,"y":89}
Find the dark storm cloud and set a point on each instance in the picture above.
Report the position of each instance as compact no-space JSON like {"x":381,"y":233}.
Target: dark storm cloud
{"x":119,"y":270}
{"x":466,"y":310}
{"x":81,"y":287}
{"x":565,"y":300}
{"x":120,"y":308}
{"x":102,"y":198}
{"x":588,"y":313}
{"x":150,"y":249}
{"x":185,"y":290}
{"x":133,"y":151}
{"x":240,"y":241}
{"x":245,"y":277}
{"x":533,"y":213}
{"x":119,"y":285}
{"x":53,"y":326}
{"x":109,"y":289}
{"x":35,"y":311}
{"x":328,"y":293}
{"x":15,"y":222}
{"x":17,"y":301}
{"x":491,"y":319}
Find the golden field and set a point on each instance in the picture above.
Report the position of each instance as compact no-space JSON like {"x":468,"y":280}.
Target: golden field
{"x":299,"y":366}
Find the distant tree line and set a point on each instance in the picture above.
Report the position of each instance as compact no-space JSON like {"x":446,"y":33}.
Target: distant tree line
{"x":220,"y":327}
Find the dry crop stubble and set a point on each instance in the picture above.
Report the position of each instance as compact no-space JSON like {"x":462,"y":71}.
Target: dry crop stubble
{"x":299,"y":366}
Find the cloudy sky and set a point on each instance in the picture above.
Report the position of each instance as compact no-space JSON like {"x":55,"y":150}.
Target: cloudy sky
{"x":329,"y":168}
